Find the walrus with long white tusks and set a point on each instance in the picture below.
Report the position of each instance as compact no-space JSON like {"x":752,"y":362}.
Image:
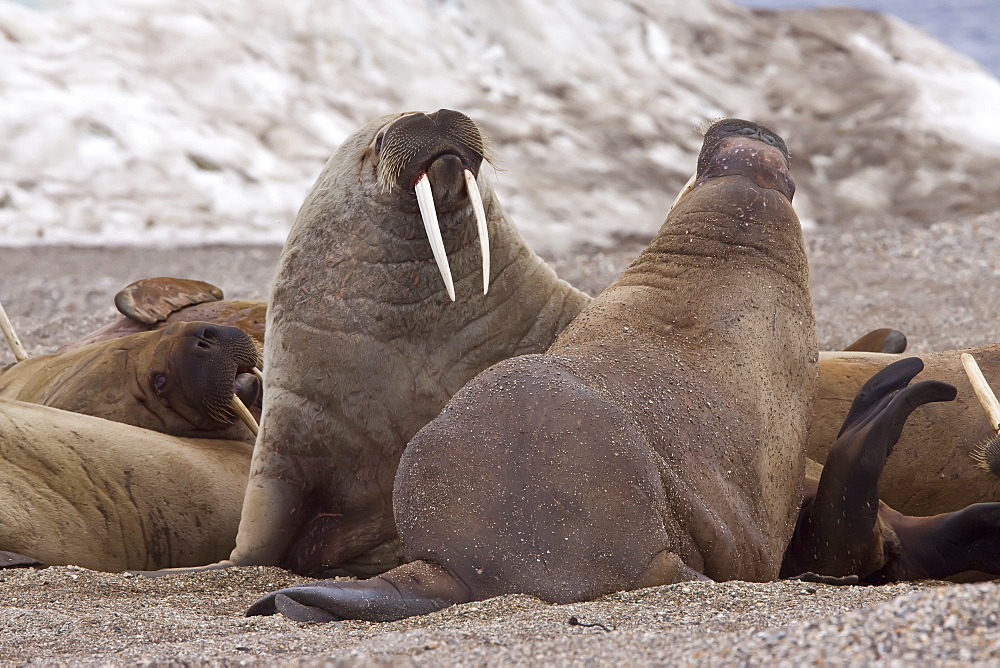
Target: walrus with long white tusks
{"x":180,"y":380}
{"x":661,"y":438}
{"x":936,"y":467}
{"x":844,"y":531}
{"x":401,"y":279}
{"x":76,"y":489}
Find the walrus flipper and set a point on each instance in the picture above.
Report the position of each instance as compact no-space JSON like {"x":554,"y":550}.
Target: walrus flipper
{"x":15,"y":560}
{"x":843,"y":529}
{"x":416,"y":588}
{"x":882,"y":340}
{"x":152,"y":300}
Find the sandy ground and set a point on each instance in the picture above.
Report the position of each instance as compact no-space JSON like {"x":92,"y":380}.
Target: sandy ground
{"x":938,"y":285}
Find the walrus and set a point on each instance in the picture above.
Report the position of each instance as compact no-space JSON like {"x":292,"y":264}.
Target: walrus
{"x":179,"y":380}
{"x":400,"y":280}
{"x":661,"y":437}
{"x":844,"y":530}
{"x":155,"y":303}
{"x":933,"y":468}
{"x":82,"y":490}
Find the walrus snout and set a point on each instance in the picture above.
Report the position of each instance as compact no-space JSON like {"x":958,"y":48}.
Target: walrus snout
{"x":736,"y":147}
{"x":435,"y":154}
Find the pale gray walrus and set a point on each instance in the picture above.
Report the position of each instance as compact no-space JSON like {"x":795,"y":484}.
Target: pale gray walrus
{"x":934,"y":468}
{"x":179,"y":380}
{"x":660,"y":439}
{"x":365,"y":344}
{"x":76,"y":489}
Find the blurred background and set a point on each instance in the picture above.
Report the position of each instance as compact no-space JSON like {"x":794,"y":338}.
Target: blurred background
{"x":185,"y":122}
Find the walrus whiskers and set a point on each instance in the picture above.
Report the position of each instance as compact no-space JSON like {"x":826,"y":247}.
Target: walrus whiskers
{"x":987,"y":455}
{"x":20,"y":354}
{"x":484,"y":236}
{"x":425,"y":199}
{"x":241,"y":410}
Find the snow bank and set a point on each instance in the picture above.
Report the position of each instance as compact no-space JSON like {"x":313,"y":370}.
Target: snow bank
{"x":187,"y":121}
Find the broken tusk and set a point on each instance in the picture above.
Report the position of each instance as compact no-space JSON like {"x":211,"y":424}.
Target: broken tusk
{"x":983,"y":391}
{"x":243,"y":413}
{"x":425,"y":200}
{"x":20,"y":354}
{"x":688,"y":187}
{"x":484,"y":235}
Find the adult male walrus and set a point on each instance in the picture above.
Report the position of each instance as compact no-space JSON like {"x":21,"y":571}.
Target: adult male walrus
{"x":932,"y":469}
{"x":179,"y":380}
{"x":76,"y":489}
{"x":377,"y":317}
{"x":661,"y":438}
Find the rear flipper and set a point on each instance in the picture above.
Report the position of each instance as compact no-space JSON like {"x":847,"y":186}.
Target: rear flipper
{"x":15,"y":560}
{"x":942,"y":545}
{"x":416,"y":588}
{"x":842,"y":529}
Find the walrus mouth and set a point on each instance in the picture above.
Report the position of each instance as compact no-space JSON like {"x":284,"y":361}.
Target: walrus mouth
{"x":404,"y":146}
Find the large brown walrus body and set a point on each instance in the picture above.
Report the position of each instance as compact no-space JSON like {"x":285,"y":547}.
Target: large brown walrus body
{"x":76,"y":489}
{"x":661,"y":437}
{"x":365,"y":346}
{"x":178,"y":380}
{"x":932,"y":469}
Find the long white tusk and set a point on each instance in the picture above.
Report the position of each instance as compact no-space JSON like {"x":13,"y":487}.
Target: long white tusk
{"x":684,"y":191}
{"x":243,"y":413}
{"x":983,"y":391}
{"x":484,"y":235}
{"x":425,"y":199}
{"x":20,"y":354}
{"x":260,"y":376}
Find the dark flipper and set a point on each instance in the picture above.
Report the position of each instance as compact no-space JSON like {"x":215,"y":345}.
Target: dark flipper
{"x":944,"y":545}
{"x":840,"y":530}
{"x":883,"y":340}
{"x":152,"y":300}
{"x":15,"y":560}
{"x":417,"y":588}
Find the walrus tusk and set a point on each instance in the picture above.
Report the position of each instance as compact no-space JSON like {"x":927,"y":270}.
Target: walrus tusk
{"x":243,"y":413}
{"x":983,"y":391}
{"x":425,"y":199}
{"x":484,"y":235}
{"x":20,"y":354}
{"x":684,"y":191}
{"x":260,"y":376}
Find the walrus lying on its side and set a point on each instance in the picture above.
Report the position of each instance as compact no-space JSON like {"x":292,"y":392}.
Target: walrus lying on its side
{"x":660,"y":439}
{"x":76,"y":489}
{"x":180,"y":380}
{"x":843,"y":528}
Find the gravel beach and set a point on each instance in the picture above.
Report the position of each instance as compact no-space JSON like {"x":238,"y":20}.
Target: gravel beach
{"x":937,"y":284}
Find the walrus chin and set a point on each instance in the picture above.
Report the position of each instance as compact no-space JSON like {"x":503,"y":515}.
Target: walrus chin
{"x":396,"y":149}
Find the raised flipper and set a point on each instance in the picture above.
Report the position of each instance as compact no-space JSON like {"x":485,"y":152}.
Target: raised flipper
{"x":416,"y":588}
{"x":841,"y":528}
{"x":15,"y":560}
{"x":152,"y":300}
{"x":883,"y":340}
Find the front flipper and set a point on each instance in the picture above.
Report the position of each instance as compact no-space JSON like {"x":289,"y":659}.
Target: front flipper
{"x":944,"y":545}
{"x":840,"y":530}
{"x":883,"y":340}
{"x":15,"y":560}
{"x":416,"y":588}
{"x":152,"y":300}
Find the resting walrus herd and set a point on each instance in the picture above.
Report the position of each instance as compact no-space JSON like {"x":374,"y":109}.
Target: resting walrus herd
{"x":440,"y":413}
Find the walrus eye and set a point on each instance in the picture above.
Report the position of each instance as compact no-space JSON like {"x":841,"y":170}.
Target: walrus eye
{"x":158,"y":381}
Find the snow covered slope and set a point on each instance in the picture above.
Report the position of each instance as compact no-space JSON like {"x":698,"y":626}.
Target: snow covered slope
{"x":175,"y":121}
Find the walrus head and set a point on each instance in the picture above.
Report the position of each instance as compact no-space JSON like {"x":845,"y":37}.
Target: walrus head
{"x":734,"y":146}
{"x":195,"y":370}
{"x":434,"y":159}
